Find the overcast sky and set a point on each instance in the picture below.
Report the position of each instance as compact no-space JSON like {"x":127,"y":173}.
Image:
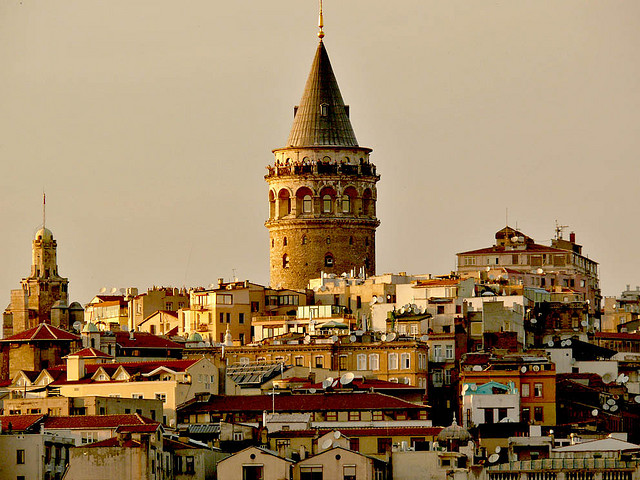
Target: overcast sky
{"x":150,"y":123}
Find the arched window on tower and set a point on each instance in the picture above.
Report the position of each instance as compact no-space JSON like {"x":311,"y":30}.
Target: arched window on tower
{"x":328,"y":195}
{"x":326,"y":204}
{"x":304,"y":201}
{"x":285,"y":261}
{"x":272,"y":205}
{"x":284,"y":206}
{"x":284,"y":241}
{"x":307,"y":204}
{"x":328,"y":260}
{"x":304,"y":240}
{"x":350,"y":240}
{"x":348,"y":199}
{"x":367,"y":203}
{"x":324,"y":110}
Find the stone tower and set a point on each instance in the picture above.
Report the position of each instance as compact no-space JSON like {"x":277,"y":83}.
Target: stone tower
{"x":322,"y":189}
{"x":31,"y":304}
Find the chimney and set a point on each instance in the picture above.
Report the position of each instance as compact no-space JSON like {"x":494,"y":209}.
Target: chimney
{"x":572,"y":237}
{"x":220,"y":282}
{"x":75,"y":368}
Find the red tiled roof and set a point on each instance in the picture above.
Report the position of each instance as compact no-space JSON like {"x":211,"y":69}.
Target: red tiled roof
{"x":146,"y":428}
{"x":300,"y":403}
{"x":114,"y":442}
{"x":618,"y":335}
{"x":532,"y":247}
{"x":95,"y":421}
{"x":144,"y":340}
{"x":19,"y":423}
{"x":366,"y":384}
{"x":44,"y":331}
{"x":108,"y":298}
{"x":90,"y":353}
{"x":438,"y":282}
{"x":131,"y":367}
{"x":363,"y":432}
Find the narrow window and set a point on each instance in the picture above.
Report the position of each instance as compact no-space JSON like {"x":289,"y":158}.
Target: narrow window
{"x":284,"y":241}
{"x":328,"y":261}
{"x":324,"y":110}
{"x":326,"y":204}
{"x":285,"y":261}
{"x":306,"y":204}
{"x":304,"y":240}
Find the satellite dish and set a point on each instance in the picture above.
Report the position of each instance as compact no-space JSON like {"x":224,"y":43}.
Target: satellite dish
{"x":611,"y":401}
{"x":494,"y":457}
{"x":594,"y":412}
{"x":568,"y":342}
{"x":312,"y":390}
{"x":352,"y":338}
{"x":383,"y":337}
{"x":408,"y":309}
{"x":550,"y":343}
{"x":77,"y":326}
{"x":563,"y":343}
{"x":613,"y":408}
{"x":307,"y":338}
{"x":414,"y":307}
{"x":114,"y":290}
{"x":473,"y":387}
{"x":534,"y":321}
{"x":498,"y":449}
{"x":637,"y":399}
{"x":584,"y":323}
{"x":123,"y":291}
{"x":401,"y":311}
{"x":327,"y":444}
{"x":625,"y":379}
{"x":337,"y":434}
{"x":359,"y":332}
{"x":477,"y":368}
{"x":465,"y":387}
{"x":347,"y":378}
{"x":536,"y":368}
{"x":334,"y":338}
{"x":103,"y":290}
{"x":424,"y":338}
{"x":606,"y":406}
{"x":335,"y":383}
{"x":620,"y":378}
{"x":607,"y":378}
{"x":523,"y":369}
{"x":391,"y":337}
{"x":374,"y":300}
{"x":488,"y":269}
{"x":326,"y":383}
{"x":407,"y":380}
{"x":539,"y":271}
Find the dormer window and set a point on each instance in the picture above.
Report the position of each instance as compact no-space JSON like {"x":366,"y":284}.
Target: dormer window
{"x":324,"y":110}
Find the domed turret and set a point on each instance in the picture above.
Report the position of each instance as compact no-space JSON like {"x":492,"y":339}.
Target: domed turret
{"x":454,"y":436}
{"x":44,"y":234}
{"x":194,"y":337}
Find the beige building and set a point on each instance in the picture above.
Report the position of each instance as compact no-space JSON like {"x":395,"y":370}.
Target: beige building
{"x":339,"y":462}
{"x":34,"y":456}
{"x":161,"y":322}
{"x":156,"y":299}
{"x":322,"y":190}
{"x":255,"y":463}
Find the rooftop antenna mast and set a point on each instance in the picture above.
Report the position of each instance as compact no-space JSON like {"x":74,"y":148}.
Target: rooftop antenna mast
{"x":320,"y":23}
{"x":559,"y":230}
{"x":44,"y":209}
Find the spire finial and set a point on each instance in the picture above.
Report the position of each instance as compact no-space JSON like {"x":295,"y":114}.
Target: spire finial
{"x":44,"y":209}
{"x":320,"y":23}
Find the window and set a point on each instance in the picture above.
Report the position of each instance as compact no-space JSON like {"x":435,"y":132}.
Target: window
{"x":161,"y":396}
{"x":488,"y":415}
{"x":525,"y":390}
{"x":299,"y":361}
{"x":502,"y":413}
{"x":319,"y":361}
{"x":349,"y":472}
{"x":252,"y":472}
{"x":324,"y":110}
{"x":332,"y":416}
{"x":437,"y":353}
{"x":241,"y":318}
{"x":20,"y":457}
{"x":342,"y":362}
{"x":537,"y":390}
{"x":224,"y":299}
{"x":255,"y":306}
{"x":354,"y":415}
{"x":393,"y":361}
{"x":346,"y":204}
{"x":137,"y":395}
{"x":447,"y":377}
{"x":312,"y":472}
{"x":304,"y":240}
{"x":87,"y":437}
{"x":285,"y":261}
{"x":306,"y":204}
{"x":189,"y":465}
{"x":437,"y":378}
{"x":440,"y":310}
{"x":405,"y":361}
{"x":448,"y":352}
{"x":362,"y":361}
{"x":284,"y":241}
{"x":354,"y":444}
{"x":384,"y":444}
{"x":228,"y":317}
{"x":326,"y":204}
{"x":374,"y":361}
{"x":525,"y":415}
{"x":221,"y":317}
{"x":538,"y":415}
{"x":328,"y":260}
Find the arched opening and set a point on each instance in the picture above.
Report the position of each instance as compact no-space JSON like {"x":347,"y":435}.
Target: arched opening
{"x":284,"y":241}
{"x":304,"y":240}
{"x":367,"y":203}
{"x":284,"y":203}
{"x":328,"y":196}
{"x":350,"y":240}
{"x":304,"y":200}
{"x":285,"y":261}
{"x":329,"y":260}
{"x":348,"y":199}
{"x":272,"y":205}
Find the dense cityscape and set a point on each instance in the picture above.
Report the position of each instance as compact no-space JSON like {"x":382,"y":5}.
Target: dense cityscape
{"x":512,"y":367}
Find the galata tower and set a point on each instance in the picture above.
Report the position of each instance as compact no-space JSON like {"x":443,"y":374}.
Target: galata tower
{"x":322,"y":189}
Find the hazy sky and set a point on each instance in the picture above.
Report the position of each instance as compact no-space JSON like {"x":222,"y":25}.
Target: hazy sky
{"x":150,"y":123}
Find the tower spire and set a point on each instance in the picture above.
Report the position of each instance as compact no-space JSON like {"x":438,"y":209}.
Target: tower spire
{"x":320,"y":23}
{"x":44,"y":209}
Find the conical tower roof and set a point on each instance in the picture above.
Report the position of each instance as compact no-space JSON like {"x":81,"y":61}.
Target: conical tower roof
{"x":322,"y":118}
